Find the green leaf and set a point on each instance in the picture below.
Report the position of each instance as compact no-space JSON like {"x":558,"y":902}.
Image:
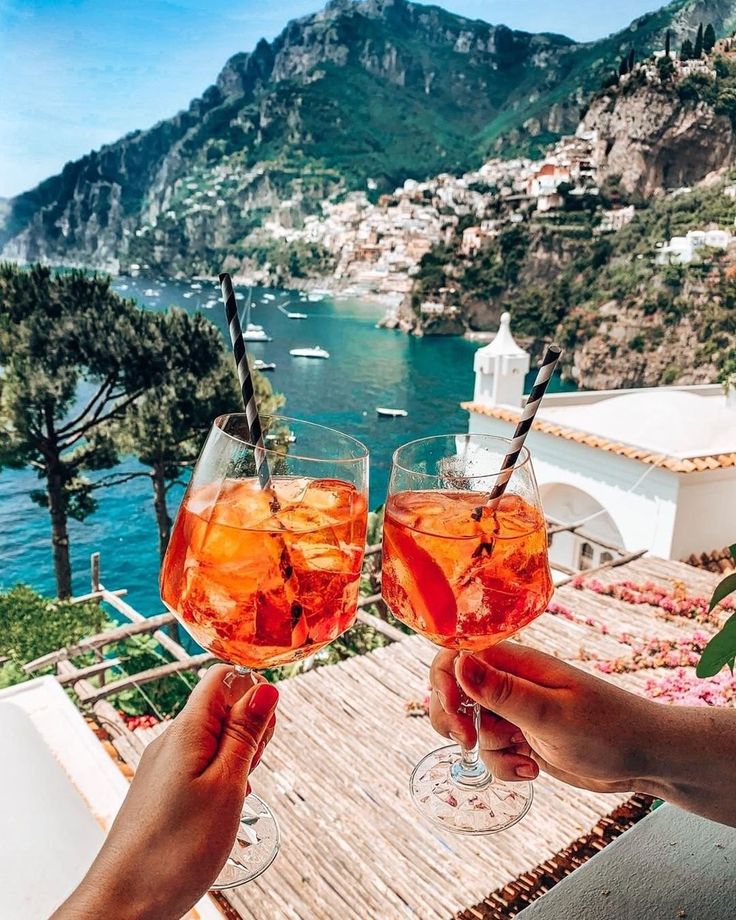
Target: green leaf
{"x":723,"y":589}
{"x":719,"y":651}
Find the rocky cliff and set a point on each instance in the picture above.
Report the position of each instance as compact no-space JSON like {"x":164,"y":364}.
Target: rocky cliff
{"x":649,"y":140}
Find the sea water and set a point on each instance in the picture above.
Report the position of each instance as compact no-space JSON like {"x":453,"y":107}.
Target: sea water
{"x":368,"y":367}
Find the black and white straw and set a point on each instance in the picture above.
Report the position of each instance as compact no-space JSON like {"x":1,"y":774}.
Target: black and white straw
{"x":252,"y":417}
{"x":549,"y":362}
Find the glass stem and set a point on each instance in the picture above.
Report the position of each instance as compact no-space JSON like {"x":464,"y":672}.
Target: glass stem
{"x":470,"y":769}
{"x":238,"y":670}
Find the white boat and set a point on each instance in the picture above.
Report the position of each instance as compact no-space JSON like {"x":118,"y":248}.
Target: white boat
{"x":196,"y":286}
{"x":255,"y":334}
{"x":315,"y":352}
{"x":149,"y":292}
{"x":238,"y":296}
{"x":210,"y":305}
{"x":391,"y":413}
{"x":269,"y":297}
{"x":264,"y":365}
{"x":188,"y":294}
{"x":290,"y":314}
{"x":122,"y":287}
{"x":315,"y":297}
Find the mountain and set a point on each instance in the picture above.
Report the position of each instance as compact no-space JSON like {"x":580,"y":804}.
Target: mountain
{"x":358,"y":95}
{"x":633,"y":269}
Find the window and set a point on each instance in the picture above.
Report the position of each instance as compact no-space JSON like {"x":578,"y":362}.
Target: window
{"x":606,"y":557}
{"x":586,"y":557}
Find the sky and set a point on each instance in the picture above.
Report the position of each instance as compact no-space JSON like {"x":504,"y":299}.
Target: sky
{"x":76,"y":74}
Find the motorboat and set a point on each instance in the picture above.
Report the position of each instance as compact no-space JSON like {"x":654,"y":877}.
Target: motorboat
{"x":315,"y":352}
{"x":391,"y":413}
{"x":264,"y":365}
{"x":290,"y":314}
{"x":253,"y":333}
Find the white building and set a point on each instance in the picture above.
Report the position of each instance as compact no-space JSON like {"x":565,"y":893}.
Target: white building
{"x":650,"y":468}
{"x":681,"y":250}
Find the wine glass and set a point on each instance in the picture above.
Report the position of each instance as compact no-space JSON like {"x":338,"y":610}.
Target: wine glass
{"x":263,"y":577}
{"x":465,"y":573}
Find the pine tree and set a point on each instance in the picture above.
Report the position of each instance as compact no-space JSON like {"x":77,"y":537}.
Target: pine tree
{"x":709,"y":38}
{"x":74,"y":357}
{"x":667,"y":43}
{"x":686,"y":52}
{"x":623,"y":67}
{"x":698,"y":50}
{"x":632,"y":59}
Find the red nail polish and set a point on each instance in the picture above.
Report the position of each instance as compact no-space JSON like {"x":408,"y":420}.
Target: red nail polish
{"x":263,"y":700}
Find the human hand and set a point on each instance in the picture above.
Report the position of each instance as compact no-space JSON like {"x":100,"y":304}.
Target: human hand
{"x":541,"y":713}
{"x":179,"y":819}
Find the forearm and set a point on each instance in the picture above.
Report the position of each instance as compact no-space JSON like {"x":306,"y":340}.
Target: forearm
{"x":692,"y":760}
{"x":108,"y":891}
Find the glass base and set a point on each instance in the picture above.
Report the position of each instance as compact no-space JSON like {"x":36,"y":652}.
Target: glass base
{"x":482,"y":805}
{"x":255,"y":847}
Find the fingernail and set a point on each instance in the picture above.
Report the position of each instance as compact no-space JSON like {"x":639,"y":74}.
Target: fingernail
{"x":518,"y":738}
{"x":263,"y":700}
{"x":472,"y":670}
{"x":442,"y":700}
{"x":526,"y":771}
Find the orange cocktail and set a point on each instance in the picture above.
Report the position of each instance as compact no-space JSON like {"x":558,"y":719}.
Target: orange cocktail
{"x":261,"y":587}
{"x":465,"y":564}
{"x":461,"y":582}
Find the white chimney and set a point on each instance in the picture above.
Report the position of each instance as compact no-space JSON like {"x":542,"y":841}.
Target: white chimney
{"x":500,"y":368}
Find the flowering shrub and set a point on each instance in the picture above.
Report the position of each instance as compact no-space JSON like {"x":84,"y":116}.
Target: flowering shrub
{"x":686,"y":689}
{"x":678,"y":657}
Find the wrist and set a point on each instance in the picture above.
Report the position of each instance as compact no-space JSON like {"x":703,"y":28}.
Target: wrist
{"x":666,"y":749}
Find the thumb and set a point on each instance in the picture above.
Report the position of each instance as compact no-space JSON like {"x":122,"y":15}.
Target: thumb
{"x":513,"y":698}
{"x":244,"y":729}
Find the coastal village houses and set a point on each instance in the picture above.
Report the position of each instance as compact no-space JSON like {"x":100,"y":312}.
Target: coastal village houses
{"x":651,"y":469}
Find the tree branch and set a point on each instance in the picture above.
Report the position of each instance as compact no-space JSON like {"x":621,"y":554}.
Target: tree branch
{"x":73,"y":436}
{"x":115,"y":479}
{"x":175,"y":482}
{"x":107,"y":385}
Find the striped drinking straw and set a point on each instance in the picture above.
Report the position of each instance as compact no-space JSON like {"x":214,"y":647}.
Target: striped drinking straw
{"x":253,"y":420}
{"x":549,"y":362}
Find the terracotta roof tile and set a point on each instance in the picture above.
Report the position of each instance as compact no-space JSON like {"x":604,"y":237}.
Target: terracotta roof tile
{"x":674,"y":464}
{"x":717,"y":560}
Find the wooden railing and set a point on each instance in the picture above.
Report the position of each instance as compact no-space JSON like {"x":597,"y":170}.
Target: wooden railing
{"x":95,"y":696}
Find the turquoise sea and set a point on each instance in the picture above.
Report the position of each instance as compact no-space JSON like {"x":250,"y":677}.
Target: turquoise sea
{"x":368,"y":367}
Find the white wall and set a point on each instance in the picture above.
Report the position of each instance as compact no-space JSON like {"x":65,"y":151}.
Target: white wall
{"x":642,"y":511}
{"x":706,"y":512}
